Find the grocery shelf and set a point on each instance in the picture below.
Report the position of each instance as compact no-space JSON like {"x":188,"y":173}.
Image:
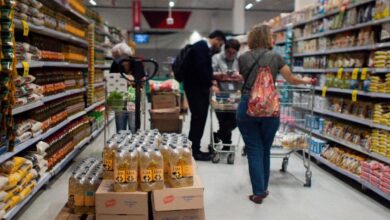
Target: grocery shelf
{"x":280,"y":43}
{"x":334,"y":12}
{"x":41,"y":64}
{"x":27,"y":107}
{"x":336,"y":50}
{"x":305,"y":70}
{"x":103,"y":66}
{"x":56,"y":169}
{"x":350,"y":175}
{"x":99,"y":84}
{"x":93,"y":106}
{"x":41,"y":182}
{"x":279,"y":29}
{"x":347,"y":144}
{"x":349,"y":91}
{"x":60,"y":6}
{"x":52,"y":33}
{"x":357,"y":26}
{"x":73,"y":117}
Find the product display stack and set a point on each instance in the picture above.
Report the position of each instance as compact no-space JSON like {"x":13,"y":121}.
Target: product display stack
{"x":147,"y":174}
{"x":344,"y":44}
{"x":165,"y":113}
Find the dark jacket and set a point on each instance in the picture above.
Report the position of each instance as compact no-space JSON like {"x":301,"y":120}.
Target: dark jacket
{"x":200,"y":74}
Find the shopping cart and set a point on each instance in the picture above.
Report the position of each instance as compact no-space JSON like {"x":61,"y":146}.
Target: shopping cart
{"x":296,"y":108}
{"x":225,"y":102}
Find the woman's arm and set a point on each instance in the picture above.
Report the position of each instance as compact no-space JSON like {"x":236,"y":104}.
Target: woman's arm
{"x":290,"y":78}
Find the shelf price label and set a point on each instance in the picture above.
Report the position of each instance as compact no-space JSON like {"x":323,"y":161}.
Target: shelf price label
{"x":354,"y":95}
{"x":340,"y":73}
{"x":355,"y":73}
{"x":26,"y":68}
{"x":324,"y":89}
{"x":26,"y":28}
{"x":364,"y":74}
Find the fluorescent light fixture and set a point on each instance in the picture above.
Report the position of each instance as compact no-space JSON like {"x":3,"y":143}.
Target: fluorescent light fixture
{"x":248,"y":6}
{"x":171,"y":4}
{"x":92,"y":2}
{"x":258,"y":0}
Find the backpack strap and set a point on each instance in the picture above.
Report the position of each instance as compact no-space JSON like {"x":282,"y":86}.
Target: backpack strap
{"x":252,"y":67}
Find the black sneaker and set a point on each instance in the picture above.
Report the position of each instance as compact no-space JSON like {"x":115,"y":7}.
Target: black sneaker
{"x":202,"y":156}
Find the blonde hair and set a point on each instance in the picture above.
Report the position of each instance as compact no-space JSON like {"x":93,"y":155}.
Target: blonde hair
{"x":260,"y":37}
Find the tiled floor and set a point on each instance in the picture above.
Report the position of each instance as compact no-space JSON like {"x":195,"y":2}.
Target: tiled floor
{"x":227,"y":188}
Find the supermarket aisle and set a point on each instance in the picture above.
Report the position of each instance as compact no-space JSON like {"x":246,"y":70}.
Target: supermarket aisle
{"x":227,"y":188}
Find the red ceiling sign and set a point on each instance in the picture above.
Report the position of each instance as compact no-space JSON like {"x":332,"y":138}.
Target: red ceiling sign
{"x":158,"y":19}
{"x":136,"y":15}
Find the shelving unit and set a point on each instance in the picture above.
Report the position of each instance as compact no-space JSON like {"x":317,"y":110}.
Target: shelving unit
{"x":41,"y":64}
{"x":53,"y":172}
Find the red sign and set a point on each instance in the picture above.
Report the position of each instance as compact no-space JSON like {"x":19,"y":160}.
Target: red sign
{"x":136,"y":15}
{"x":158,"y":19}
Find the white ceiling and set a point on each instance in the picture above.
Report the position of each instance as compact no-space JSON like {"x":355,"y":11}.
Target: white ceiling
{"x":264,"y":5}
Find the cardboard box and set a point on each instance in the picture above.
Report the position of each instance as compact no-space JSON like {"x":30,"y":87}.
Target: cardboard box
{"x":167,"y":125}
{"x":165,"y":100}
{"x":165,"y":113}
{"x":187,"y":198}
{"x":121,"y":217}
{"x":197,"y":214}
{"x":120,"y":203}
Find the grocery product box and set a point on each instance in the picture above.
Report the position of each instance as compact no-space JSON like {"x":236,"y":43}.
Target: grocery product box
{"x":167,"y":125}
{"x":165,"y":113}
{"x":175,"y":199}
{"x":109,"y":202}
{"x":195,"y":214}
{"x":121,"y":217}
{"x":165,"y":100}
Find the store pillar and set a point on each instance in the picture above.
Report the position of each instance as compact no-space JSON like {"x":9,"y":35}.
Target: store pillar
{"x":238,"y":17}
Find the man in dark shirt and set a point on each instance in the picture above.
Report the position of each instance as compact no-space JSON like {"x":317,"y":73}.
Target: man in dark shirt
{"x":197,"y":85}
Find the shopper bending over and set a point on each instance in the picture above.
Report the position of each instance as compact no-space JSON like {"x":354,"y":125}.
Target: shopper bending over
{"x":197,"y":84}
{"x":259,"y":132}
{"x":227,"y":78}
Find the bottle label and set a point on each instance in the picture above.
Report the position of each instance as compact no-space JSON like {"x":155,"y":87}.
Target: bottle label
{"x":188,"y":171}
{"x":107,"y":164}
{"x":146,"y":175}
{"x":131,"y":176}
{"x":158,"y":174}
{"x":176,"y":172}
{"x":89,"y":199}
{"x":120,"y":176}
{"x":79,"y":200}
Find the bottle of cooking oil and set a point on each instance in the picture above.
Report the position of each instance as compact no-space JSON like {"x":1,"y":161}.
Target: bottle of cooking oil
{"x":146,"y":170}
{"x":187,"y":167}
{"x":165,"y":151}
{"x":72,"y":187}
{"x":121,"y":165}
{"x":89,"y":194}
{"x":108,"y":158}
{"x":175,"y":167}
{"x":132,"y":172}
{"x":158,"y":168}
{"x":79,"y":197}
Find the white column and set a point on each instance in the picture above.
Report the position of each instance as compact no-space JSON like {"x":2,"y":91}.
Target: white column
{"x":238,"y":17}
{"x":300,"y":4}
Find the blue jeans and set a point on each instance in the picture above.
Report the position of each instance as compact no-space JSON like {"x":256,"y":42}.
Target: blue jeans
{"x":125,"y":120}
{"x":258,"y":135}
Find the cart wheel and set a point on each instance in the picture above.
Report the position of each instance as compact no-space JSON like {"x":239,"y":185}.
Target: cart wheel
{"x":216,"y":158}
{"x":243,"y":152}
{"x":284,"y":165}
{"x":230,"y":158}
{"x":308,"y":179}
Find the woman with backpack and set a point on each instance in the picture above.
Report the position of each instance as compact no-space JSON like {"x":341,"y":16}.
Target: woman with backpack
{"x":258,"y":111}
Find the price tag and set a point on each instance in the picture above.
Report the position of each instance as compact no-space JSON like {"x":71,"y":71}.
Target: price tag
{"x":26,"y":28}
{"x":364,"y":74}
{"x":26,"y":68}
{"x":355,"y":73}
{"x":340,"y":73}
{"x":354,"y":95}
{"x":324,"y":91}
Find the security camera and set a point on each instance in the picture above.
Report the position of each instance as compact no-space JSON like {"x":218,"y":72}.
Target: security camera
{"x":170,"y":21}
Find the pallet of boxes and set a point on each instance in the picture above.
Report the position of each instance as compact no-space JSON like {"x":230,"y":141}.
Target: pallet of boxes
{"x":153,"y":177}
{"x":165,"y":113}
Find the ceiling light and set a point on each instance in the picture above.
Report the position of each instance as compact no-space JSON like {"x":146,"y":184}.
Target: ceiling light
{"x":248,"y":6}
{"x":171,"y":4}
{"x":92,"y":2}
{"x":258,"y":0}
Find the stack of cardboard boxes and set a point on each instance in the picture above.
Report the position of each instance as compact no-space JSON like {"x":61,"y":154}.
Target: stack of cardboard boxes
{"x":165,"y":113}
{"x":168,"y":203}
